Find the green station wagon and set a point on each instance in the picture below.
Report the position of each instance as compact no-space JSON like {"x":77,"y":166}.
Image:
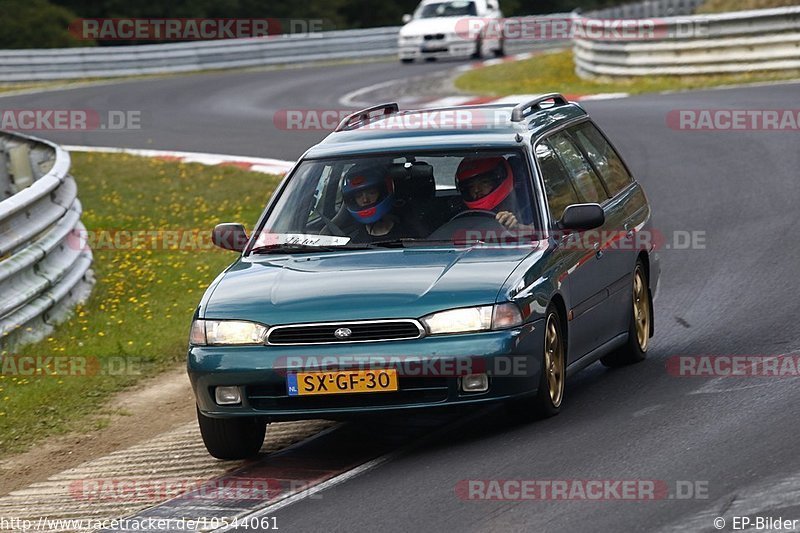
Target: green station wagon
{"x":423,"y":259}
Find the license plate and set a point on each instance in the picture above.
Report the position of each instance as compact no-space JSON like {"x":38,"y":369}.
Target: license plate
{"x":340,"y":382}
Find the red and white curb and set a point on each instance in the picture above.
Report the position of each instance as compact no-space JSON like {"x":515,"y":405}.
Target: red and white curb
{"x":253,"y":164}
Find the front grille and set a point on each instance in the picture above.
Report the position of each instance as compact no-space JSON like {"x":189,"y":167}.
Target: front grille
{"x":366,"y":331}
{"x":434,"y":37}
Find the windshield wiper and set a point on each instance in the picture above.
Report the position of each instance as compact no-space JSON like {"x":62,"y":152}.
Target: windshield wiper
{"x":406,"y":242}
{"x":392,"y":243}
{"x":288,"y":248}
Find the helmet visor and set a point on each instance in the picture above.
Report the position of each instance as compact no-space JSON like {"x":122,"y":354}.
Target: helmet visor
{"x":481,"y":185}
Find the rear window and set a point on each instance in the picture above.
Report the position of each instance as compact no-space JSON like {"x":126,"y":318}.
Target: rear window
{"x":456,"y":8}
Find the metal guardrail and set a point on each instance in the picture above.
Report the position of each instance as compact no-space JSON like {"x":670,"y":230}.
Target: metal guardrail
{"x":44,"y":271}
{"x":742,"y":41}
{"x":110,"y":61}
{"x":647,"y":9}
{"x":115,"y":61}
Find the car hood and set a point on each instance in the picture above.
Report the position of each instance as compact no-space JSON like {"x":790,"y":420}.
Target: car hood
{"x":358,"y":285}
{"x":419,"y":27}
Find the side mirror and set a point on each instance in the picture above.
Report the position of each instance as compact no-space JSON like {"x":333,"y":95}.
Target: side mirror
{"x":406,"y":18}
{"x":580,"y":217}
{"x":229,"y":236}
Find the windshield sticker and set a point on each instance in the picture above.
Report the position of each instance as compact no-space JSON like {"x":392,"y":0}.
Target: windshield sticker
{"x":302,"y":239}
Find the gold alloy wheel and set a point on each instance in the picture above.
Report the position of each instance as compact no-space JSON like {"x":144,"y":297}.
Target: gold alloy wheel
{"x":554,"y":360}
{"x":641,"y":308}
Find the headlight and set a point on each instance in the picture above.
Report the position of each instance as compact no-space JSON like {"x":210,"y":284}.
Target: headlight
{"x":471,"y":319}
{"x":216,"y":332}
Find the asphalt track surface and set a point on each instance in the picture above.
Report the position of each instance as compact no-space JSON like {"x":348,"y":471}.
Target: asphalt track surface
{"x":228,"y":113}
{"x":736,"y":295}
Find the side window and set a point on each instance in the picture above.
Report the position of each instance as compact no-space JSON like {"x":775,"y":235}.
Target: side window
{"x":588,"y":184}
{"x":558,"y":188}
{"x":603,"y":156}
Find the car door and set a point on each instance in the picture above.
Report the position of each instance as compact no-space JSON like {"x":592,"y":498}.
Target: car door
{"x":594,"y":322}
{"x":582,"y":268}
{"x":626,"y":211}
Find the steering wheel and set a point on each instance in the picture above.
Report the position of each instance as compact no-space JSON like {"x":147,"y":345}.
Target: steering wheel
{"x":474,"y":213}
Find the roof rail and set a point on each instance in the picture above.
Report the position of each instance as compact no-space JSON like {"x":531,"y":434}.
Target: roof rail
{"x":518,"y":113}
{"x":365,"y":116}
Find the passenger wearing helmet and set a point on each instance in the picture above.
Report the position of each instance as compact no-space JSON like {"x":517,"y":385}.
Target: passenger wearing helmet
{"x":487,"y":183}
{"x":368,"y":194}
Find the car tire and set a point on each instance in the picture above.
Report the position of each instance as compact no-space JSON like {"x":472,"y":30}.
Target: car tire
{"x":552,"y":378}
{"x":640,"y":323}
{"x":407,"y":60}
{"x":478,"y":53}
{"x":501,"y":49}
{"x":232,"y":438}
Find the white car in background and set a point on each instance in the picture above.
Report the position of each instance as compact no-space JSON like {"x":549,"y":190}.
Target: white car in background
{"x":452,"y":28}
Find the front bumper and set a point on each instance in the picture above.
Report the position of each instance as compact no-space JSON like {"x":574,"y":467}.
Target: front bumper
{"x":428,"y":370}
{"x":439,"y":49}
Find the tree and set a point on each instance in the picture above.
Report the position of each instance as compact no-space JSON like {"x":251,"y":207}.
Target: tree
{"x":36,"y":24}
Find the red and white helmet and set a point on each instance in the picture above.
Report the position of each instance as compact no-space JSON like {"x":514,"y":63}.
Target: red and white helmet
{"x":496,"y":169}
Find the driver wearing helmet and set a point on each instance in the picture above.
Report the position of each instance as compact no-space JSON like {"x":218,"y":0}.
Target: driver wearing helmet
{"x":368,"y":194}
{"x":487,"y":183}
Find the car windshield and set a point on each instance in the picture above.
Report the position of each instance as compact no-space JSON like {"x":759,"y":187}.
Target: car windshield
{"x":457,"y":8}
{"x":400,"y":200}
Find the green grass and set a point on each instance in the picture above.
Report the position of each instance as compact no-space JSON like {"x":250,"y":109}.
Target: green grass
{"x":555,"y":72}
{"x":723,"y":6}
{"x":141,"y":307}
{"x":14,"y":87}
